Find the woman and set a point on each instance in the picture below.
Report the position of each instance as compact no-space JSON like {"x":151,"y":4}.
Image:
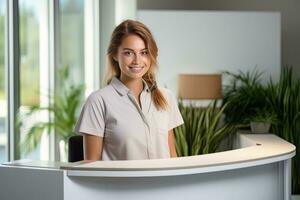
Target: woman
{"x":130,"y":118}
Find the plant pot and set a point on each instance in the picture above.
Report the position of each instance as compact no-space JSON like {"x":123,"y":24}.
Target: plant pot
{"x":260,"y":127}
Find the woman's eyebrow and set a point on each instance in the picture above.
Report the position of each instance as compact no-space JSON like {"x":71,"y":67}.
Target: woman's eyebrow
{"x":128,"y":49}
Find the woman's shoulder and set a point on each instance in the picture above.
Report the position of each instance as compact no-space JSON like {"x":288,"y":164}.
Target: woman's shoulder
{"x":101,"y":93}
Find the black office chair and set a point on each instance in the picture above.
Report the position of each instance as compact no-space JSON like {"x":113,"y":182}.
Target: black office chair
{"x":75,"y":152}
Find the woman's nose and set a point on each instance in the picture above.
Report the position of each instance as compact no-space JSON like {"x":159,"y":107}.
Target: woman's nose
{"x":136,"y":59}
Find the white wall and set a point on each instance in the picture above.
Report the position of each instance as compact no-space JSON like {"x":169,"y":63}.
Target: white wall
{"x":289,"y":9}
{"x":211,"y":42}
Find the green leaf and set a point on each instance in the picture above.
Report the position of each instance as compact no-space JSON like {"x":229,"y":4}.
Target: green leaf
{"x":67,"y":102}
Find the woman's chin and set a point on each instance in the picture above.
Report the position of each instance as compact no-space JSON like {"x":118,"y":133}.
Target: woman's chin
{"x":135,"y":75}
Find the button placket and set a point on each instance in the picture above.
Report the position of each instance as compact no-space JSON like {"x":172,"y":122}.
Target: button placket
{"x":146,"y":109}
{"x":147,"y":129}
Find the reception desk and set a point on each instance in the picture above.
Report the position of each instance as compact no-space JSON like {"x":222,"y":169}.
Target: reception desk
{"x":259,"y":167}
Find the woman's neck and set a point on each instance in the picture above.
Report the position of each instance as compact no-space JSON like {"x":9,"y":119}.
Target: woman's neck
{"x":135,"y":85}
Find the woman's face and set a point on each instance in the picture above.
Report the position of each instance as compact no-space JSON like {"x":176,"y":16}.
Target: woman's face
{"x":133,"y":58}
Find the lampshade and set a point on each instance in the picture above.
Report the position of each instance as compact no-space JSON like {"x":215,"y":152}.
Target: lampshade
{"x":200,"y":86}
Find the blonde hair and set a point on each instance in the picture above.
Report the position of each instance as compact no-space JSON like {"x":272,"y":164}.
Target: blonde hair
{"x":131,"y":27}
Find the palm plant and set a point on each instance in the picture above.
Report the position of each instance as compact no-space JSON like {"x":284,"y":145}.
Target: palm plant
{"x":244,"y":96}
{"x":64,"y":110}
{"x":202,"y":130}
{"x":284,"y":99}
{"x":263,"y":115}
{"x":247,"y":98}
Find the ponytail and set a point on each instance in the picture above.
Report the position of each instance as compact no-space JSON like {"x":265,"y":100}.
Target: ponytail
{"x":157,"y":96}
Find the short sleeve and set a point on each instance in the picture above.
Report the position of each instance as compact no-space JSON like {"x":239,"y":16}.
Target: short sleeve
{"x":91,"y":119}
{"x":175,"y":118}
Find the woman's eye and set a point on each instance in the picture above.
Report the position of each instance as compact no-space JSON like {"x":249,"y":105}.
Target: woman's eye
{"x":144,"y":52}
{"x":127,"y":53}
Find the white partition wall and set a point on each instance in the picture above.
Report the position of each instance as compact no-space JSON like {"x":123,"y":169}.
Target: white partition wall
{"x":211,"y":42}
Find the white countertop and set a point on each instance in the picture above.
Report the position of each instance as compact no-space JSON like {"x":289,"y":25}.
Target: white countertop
{"x":256,"y":149}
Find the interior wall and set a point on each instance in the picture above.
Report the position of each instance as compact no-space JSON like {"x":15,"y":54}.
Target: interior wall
{"x":289,"y":9}
{"x":209,"y":42}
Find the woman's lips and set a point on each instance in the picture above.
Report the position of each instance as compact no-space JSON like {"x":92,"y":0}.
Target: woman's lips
{"x":136,"y":69}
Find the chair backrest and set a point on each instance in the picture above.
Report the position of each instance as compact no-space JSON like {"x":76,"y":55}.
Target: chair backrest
{"x":75,"y":151}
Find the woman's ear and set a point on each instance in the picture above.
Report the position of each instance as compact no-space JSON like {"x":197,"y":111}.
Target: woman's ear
{"x":115,"y":58}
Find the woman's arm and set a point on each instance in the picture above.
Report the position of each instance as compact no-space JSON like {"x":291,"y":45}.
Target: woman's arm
{"x":171,"y":141}
{"x":92,"y":146}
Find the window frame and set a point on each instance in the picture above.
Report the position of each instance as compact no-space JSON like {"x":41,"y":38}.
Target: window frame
{"x":12,"y":69}
{"x":50,"y":62}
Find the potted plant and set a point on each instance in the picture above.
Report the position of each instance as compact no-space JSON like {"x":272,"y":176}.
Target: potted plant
{"x":261,"y":120}
{"x":283,"y":98}
{"x":64,"y":110}
{"x":245,"y":95}
{"x":202,"y":131}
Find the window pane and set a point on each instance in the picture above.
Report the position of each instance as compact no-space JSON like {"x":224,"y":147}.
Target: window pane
{"x":3,"y":93}
{"x":71,"y":48}
{"x":29,"y":66}
{"x":72,"y":38}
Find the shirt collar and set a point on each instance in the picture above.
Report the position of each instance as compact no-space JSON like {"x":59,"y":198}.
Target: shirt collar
{"x":146,"y":88}
{"x":122,"y":89}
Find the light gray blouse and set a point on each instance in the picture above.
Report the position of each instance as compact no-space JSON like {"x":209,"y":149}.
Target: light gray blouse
{"x":130,"y":132}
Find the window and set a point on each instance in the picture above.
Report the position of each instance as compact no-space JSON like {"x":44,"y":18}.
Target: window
{"x":52,"y":35}
{"x":3,"y":93}
{"x":71,"y":34}
{"x":30,"y":69}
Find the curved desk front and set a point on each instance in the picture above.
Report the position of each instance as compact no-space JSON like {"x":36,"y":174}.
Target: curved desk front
{"x":260,"y":169}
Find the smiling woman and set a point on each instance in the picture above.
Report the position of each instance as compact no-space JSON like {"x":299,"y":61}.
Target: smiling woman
{"x":133,"y":58}
{"x":131,"y":118}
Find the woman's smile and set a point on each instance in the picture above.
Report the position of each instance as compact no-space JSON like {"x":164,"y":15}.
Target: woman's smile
{"x":136,"y":69}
